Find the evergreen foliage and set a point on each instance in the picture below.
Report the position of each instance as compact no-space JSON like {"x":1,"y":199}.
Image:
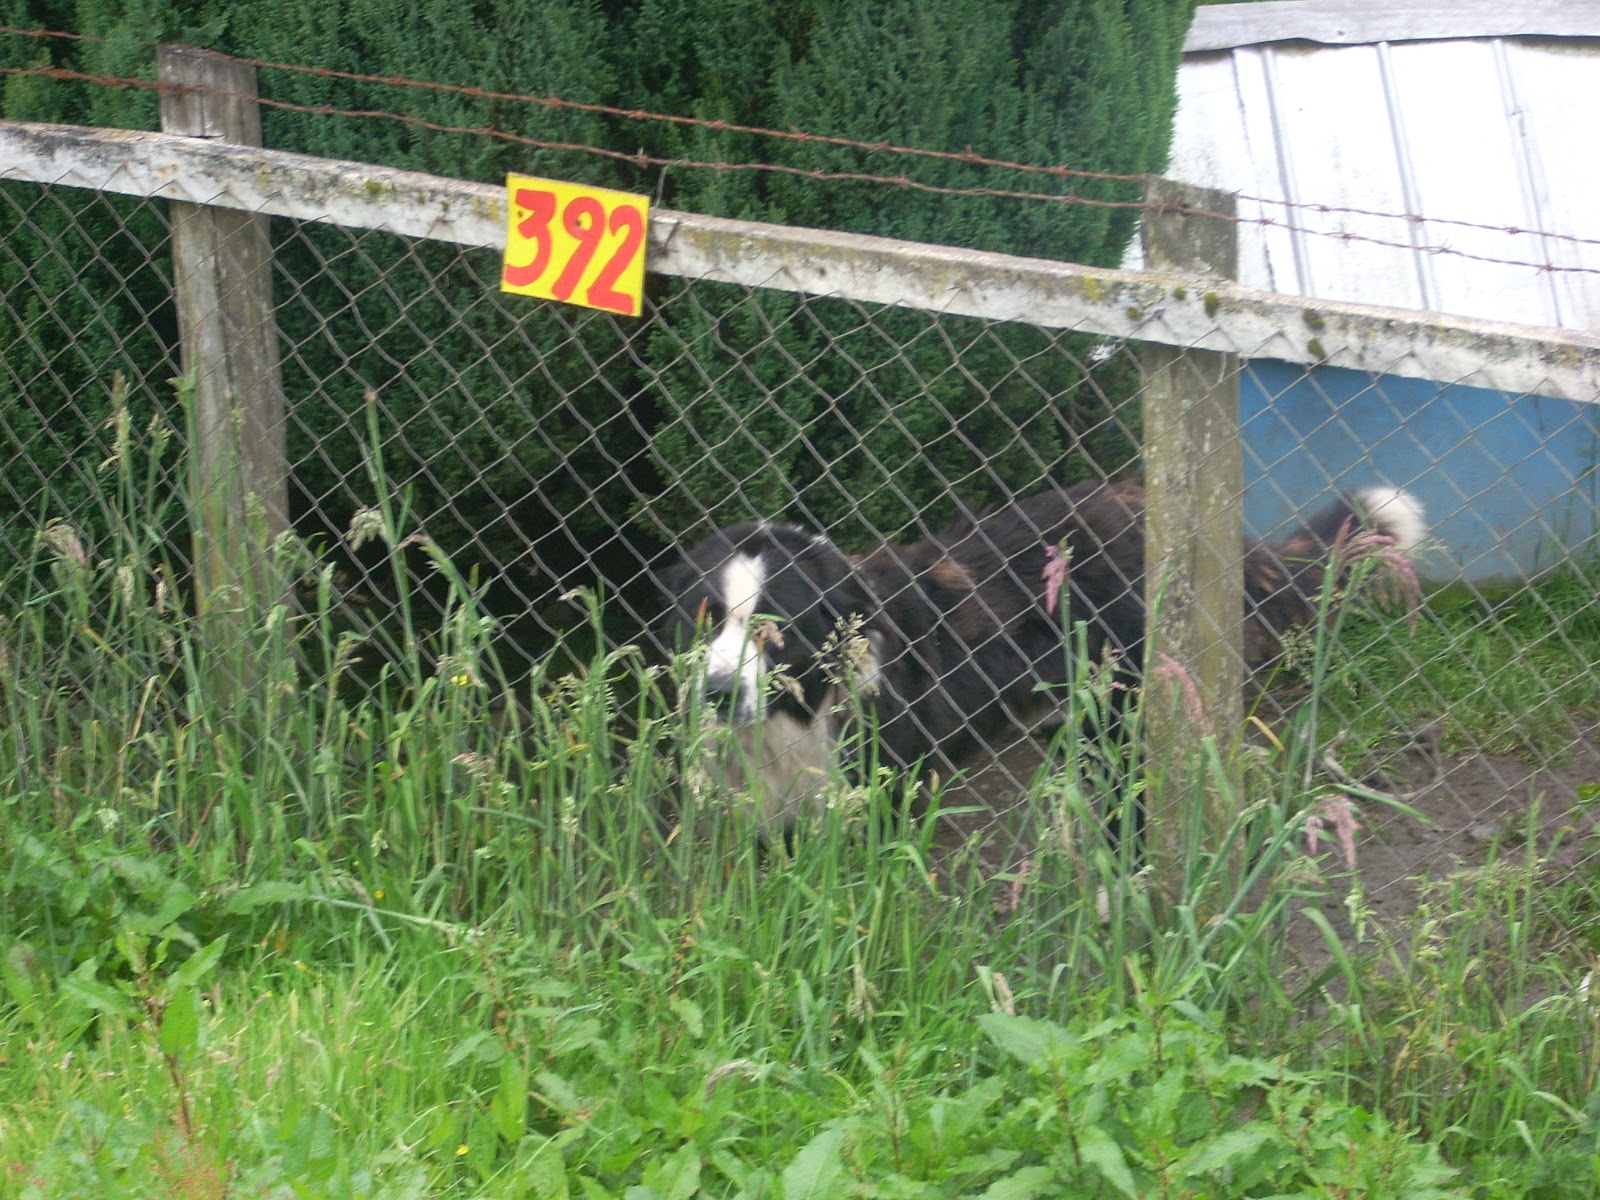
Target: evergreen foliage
{"x":878,"y":421}
{"x":725,"y":403}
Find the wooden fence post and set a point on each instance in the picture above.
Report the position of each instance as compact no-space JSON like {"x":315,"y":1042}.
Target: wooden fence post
{"x":222,"y":275}
{"x":1193,"y":524}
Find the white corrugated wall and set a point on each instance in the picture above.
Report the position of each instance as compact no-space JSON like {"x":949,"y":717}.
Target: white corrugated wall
{"x":1428,"y":155}
{"x":1482,"y":151}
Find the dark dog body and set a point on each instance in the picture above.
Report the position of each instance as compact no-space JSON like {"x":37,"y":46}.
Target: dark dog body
{"x":945,"y":642}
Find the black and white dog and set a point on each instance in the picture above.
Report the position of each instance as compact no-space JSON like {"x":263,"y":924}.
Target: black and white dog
{"x":943,"y":643}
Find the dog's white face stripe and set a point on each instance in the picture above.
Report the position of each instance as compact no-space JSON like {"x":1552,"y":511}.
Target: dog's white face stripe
{"x":732,"y":655}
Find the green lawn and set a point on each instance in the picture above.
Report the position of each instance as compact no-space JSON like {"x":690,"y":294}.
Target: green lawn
{"x":438,"y":937}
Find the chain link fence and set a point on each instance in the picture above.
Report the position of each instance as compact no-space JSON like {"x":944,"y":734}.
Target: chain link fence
{"x":551,"y":453}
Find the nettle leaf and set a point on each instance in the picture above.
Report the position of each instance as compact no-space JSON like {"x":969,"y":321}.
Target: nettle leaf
{"x":199,"y":965}
{"x":953,"y":1119}
{"x":556,"y":1093}
{"x":16,"y":973}
{"x":1120,"y":1059}
{"x":1091,"y":1105}
{"x":482,"y":1146}
{"x":174,"y":903}
{"x":1238,"y":1072}
{"x":1032,"y":1042}
{"x":1101,"y":1151}
{"x":310,"y":1148}
{"x":481,"y":1047}
{"x":678,"y":1176}
{"x":1228,"y":1152}
{"x":572,"y":1034}
{"x":1164,"y":1096}
{"x":1023,"y":1185}
{"x":816,"y":1170}
{"x":692,"y":1016}
{"x":84,"y":989}
{"x":180,"y":1023}
{"x":983,"y":1164}
{"x":543,"y":1171}
{"x":509,"y":1107}
{"x":260,"y":895}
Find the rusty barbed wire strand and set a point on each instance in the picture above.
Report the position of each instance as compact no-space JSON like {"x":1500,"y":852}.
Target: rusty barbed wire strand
{"x":61,"y":34}
{"x":1344,"y":235}
{"x":967,"y":157}
{"x":636,"y":157}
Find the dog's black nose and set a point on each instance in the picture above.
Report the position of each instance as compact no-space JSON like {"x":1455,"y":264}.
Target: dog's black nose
{"x":722,"y":704}
{"x":727,"y":695}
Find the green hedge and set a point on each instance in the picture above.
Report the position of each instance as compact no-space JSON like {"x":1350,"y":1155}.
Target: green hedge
{"x":725,"y":403}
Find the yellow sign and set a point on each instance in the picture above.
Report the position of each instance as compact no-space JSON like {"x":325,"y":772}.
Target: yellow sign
{"x":579,"y":245}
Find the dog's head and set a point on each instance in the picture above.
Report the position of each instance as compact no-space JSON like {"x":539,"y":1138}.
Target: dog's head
{"x":782,"y":615}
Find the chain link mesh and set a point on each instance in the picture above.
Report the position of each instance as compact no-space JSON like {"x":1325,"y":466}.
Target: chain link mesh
{"x":546,"y":449}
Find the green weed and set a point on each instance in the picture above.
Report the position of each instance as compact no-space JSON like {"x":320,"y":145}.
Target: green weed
{"x":381,"y":923}
{"x":1504,"y":677}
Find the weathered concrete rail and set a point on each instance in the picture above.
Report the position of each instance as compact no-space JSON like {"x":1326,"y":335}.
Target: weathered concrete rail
{"x":1196,"y":312}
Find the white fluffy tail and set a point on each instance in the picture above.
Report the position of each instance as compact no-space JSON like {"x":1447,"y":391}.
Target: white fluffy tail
{"x":1396,"y":513}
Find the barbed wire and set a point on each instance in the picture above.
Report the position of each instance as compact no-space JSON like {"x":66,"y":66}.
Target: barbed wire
{"x":635,"y":157}
{"x":967,"y":157}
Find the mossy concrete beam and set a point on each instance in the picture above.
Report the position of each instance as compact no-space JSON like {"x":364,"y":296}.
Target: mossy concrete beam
{"x":1170,"y":309}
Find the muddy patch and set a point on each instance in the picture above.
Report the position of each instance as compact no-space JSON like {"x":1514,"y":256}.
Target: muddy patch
{"x":1460,"y":810}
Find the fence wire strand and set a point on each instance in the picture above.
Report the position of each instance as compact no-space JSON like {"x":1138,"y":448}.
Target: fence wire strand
{"x":547,"y":449}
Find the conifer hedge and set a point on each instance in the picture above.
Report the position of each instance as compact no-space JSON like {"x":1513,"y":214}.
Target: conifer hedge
{"x":725,"y":404}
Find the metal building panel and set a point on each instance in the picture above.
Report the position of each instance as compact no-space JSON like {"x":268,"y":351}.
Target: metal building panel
{"x":1446,"y":175}
{"x":1559,"y":87}
{"x":1461,"y":144}
{"x":1335,"y":134}
{"x":1455,"y":174}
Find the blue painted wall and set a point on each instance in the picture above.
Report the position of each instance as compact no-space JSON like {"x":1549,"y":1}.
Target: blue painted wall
{"x":1509,"y":482}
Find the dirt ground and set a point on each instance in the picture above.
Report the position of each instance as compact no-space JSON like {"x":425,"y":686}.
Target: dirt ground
{"x":1470,"y":805}
{"x":1468,"y":808}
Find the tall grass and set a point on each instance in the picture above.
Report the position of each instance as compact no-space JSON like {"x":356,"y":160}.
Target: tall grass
{"x":388,"y":924}
{"x":1517,"y":673}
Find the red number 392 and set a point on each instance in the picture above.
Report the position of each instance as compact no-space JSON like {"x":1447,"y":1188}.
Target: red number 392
{"x":575,"y":244}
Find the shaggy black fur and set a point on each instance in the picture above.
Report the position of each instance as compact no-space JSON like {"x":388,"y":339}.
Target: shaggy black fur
{"x":947,"y":640}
